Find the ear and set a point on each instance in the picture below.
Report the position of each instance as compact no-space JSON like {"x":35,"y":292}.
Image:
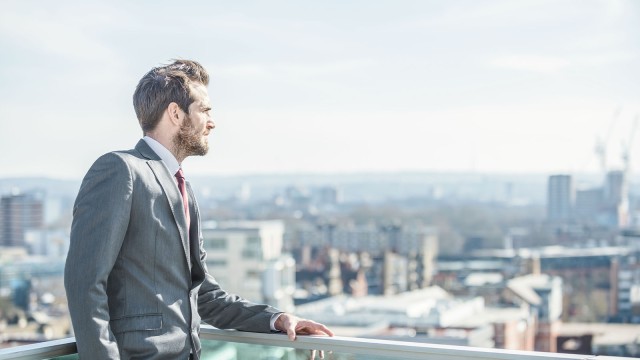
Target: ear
{"x":176,"y":115}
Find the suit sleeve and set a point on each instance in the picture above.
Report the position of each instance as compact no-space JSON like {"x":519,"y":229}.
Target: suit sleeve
{"x":228,"y":311}
{"x":100,"y":219}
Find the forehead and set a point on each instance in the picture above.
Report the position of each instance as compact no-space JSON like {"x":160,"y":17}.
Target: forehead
{"x":199,"y":94}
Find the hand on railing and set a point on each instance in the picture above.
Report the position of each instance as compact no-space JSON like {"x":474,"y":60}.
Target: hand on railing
{"x":294,"y":326}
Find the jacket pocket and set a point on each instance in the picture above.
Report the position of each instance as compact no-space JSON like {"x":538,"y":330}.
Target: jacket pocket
{"x":136,"y":323}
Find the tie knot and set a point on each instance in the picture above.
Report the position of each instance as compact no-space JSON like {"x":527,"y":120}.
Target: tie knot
{"x":180,"y":174}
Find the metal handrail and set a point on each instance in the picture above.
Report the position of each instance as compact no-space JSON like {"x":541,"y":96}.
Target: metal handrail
{"x":337,"y":344}
{"x":392,"y":349}
{"x":40,"y":351}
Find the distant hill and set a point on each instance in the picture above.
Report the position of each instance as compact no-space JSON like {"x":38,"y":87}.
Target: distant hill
{"x":371,"y":187}
{"x":385,"y":186}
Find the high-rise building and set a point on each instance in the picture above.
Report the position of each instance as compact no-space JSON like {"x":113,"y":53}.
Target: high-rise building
{"x":606,"y":206}
{"x":328,"y":195}
{"x":615,"y":190}
{"x":616,"y":199}
{"x":19,"y":213}
{"x":589,"y":204}
{"x":560,"y":197}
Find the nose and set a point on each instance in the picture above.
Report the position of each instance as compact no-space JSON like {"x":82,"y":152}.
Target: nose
{"x":210,"y":124}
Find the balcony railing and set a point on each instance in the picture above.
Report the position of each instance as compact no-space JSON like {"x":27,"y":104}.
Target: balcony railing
{"x":356,"y":347}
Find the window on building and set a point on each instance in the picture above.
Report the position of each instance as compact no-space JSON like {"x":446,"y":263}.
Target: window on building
{"x":253,"y":248}
{"x":217,"y":262}
{"x":253,"y":275}
{"x":215,"y":243}
{"x":252,"y":253}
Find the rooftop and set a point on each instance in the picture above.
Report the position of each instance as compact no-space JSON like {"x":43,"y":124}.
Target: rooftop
{"x":604,"y":334}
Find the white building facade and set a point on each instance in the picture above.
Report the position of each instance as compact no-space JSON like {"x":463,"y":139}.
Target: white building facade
{"x":246,"y":259}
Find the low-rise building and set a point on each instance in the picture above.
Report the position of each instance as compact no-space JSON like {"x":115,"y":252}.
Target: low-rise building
{"x":246,"y":259}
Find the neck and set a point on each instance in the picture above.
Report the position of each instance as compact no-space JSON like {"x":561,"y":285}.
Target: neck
{"x":178,"y":154}
{"x":167,"y":142}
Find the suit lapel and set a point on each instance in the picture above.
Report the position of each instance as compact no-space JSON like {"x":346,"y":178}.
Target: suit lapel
{"x":165,"y":179}
{"x":193,"y":211}
{"x":195,"y":222}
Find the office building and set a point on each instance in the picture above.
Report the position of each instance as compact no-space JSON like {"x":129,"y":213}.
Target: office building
{"x":560,"y":197}
{"x":616,"y":199}
{"x":589,"y":203}
{"x":246,"y":258}
{"x":19,"y":213}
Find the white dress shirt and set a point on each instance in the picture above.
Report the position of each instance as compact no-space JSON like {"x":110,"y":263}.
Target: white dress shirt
{"x":167,"y":157}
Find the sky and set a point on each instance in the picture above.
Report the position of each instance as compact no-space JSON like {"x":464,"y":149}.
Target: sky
{"x":329,"y":86}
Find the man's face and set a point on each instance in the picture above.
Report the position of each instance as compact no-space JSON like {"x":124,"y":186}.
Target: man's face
{"x":192,"y":138}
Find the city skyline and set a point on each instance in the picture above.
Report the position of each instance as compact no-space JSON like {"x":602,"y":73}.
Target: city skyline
{"x":463,"y":86}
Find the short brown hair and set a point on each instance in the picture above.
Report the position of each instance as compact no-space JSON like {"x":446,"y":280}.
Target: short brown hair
{"x":163,"y":85}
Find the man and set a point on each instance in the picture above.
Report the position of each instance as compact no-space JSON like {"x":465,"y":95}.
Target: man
{"x":135,"y":276}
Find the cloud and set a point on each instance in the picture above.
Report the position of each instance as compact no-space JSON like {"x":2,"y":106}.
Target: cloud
{"x":68,"y":33}
{"x":532,"y":63}
{"x":491,"y":14}
{"x":294,"y":70}
{"x":553,"y":64}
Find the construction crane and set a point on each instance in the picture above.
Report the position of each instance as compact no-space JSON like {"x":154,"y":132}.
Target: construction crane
{"x":601,"y":144}
{"x":626,"y":148}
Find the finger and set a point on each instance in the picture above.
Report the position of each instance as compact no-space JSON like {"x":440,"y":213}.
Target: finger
{"x":291,"y":331}
{"x":319,"y":329}
{"x":313,"y":328}
{"x":313,"y":355}
{"x":303,"y":327}
{"x":321,"y":354}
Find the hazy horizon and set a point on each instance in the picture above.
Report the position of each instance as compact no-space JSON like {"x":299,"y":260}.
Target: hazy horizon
{"x":595,"y":176}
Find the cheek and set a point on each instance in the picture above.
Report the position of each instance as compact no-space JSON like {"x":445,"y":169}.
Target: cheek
{"x":196,"y":124}
{"x":203,"y":123}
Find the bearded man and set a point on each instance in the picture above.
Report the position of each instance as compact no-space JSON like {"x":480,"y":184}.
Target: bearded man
{"x":136,"y":277}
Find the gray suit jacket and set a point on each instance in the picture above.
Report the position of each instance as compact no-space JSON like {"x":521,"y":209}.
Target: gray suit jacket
{"x":137,"y":285}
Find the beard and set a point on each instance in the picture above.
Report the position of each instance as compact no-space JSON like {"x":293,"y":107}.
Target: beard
{"x":189,"y":141}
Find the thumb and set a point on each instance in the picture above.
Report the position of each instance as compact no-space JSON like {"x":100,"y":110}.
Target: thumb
{"x":291,"y":331}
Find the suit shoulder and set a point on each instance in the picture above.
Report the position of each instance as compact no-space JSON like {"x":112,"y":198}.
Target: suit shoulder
{"x":119,"y":157}
{"x":126,"y":155}
{"x":106,"y":164}
{"x":110,"y":171}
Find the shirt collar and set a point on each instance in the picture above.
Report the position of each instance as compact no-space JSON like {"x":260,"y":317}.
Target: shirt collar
{"x":167,"y":157}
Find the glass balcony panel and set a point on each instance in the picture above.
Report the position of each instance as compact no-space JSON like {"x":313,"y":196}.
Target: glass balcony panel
{"x":219,"y":350}
{"x":231,"y":345}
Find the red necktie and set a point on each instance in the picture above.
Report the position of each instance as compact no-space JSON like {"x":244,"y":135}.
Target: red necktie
{"x":183,"y":190}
